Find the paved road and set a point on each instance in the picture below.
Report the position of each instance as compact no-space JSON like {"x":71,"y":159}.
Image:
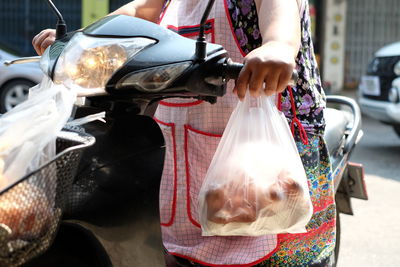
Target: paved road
{"x":372,"y":236}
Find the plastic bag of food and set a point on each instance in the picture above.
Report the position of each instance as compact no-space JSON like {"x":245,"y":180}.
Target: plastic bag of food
{"x":27,"y":141}
{"x":256,"y":183}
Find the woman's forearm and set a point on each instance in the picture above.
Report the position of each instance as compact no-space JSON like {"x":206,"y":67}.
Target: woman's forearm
{"x":145,"y":9}
{"x":279,"y":21}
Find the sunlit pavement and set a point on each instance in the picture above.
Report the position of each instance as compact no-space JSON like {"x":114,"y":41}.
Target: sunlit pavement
{"x":372,"y":236}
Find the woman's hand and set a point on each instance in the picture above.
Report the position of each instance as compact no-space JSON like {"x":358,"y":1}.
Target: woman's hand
{"x":44,"y":39}
{"x":266,"y":69}
{"x":269,"y":68}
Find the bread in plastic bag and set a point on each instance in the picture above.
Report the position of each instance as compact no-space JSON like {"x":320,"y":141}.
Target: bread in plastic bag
{"x":256,"y":183}
{"x":27,"y":141}
{"x":27,"y":214}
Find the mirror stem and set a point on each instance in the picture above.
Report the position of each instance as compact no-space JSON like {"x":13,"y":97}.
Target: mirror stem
{"x":201,"y":43}
{"x":61,"y":26}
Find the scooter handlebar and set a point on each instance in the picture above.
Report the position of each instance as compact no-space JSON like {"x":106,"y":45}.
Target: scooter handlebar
{"x":232,"y":70}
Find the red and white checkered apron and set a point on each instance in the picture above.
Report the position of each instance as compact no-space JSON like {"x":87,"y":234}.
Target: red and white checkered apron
{"x":192,"y":130}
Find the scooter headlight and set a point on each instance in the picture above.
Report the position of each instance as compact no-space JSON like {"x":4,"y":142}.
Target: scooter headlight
{"x":87,"y":63}
{"x":154,"y":79}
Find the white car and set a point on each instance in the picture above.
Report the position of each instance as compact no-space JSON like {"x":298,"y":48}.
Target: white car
{"x":379,"y":90}
{"x":16,"y":80}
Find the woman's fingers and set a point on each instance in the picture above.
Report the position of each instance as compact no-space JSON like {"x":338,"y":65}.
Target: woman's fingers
{"x":37,"y":41}
{"x":271,"y":83}
{"x":284,"y":78}
{"x":256,"y":83}
{"x":275,"y":82}
{"x":272,"y":64}
{"x":242,"y":82}
{"x":47,"y":42}
{"x":42,"y":40}
{"x":268,"y":78}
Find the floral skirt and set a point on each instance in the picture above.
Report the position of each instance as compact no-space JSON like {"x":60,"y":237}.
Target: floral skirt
{"x":317,"y":245}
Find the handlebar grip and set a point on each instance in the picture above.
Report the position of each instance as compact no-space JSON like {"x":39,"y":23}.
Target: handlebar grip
{"x":232,"y":70}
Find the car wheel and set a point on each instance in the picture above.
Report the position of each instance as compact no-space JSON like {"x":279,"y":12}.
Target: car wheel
{"x":14,"y":93}
{"x":397,"y":129}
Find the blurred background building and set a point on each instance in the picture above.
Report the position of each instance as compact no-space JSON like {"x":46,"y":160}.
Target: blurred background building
{"x":346,"y":32}
{"x":21,"y":20}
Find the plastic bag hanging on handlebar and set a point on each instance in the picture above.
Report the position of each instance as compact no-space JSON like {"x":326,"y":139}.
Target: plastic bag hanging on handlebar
{"x":256,"y":183}
{"x":28,"y":131}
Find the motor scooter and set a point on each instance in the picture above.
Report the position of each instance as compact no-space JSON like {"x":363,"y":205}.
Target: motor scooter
{"x":108,"y":192}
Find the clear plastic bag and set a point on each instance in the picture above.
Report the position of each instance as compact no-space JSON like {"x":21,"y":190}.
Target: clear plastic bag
{"x":28,"y":131}
{"x":256,"y":183}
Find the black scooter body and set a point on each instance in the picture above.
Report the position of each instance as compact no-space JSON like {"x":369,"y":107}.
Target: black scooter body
{"x":170,"y":48}
{"x":115,"y":195}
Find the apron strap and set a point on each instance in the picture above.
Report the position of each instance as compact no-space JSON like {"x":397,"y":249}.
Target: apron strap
{"x":295,"y":120}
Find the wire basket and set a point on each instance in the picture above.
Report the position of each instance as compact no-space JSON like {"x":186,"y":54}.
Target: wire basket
{"x":31,"y":209}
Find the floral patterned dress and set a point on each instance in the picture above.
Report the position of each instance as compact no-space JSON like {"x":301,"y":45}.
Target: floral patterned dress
{"x":304,"y":103}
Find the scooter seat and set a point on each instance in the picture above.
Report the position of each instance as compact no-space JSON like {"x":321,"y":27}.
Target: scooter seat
{"x":336,"y":125}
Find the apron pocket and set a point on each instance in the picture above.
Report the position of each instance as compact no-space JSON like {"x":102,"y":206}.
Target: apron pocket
{"x":168,"y":186}
{"x":199,"y":151}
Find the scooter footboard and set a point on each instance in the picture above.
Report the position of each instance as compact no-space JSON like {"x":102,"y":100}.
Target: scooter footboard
{"x":352,"y":185}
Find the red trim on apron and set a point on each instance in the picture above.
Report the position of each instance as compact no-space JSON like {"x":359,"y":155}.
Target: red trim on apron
{"x":232,"y":29}
{"x":173,"y":208}
{"x":188,"y":207}
{"x":180,"y":105}
{"x":164,"y":123}
{"x":232,"y":265}
{"x":188,"y":127}
{"x":195,"y":33}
